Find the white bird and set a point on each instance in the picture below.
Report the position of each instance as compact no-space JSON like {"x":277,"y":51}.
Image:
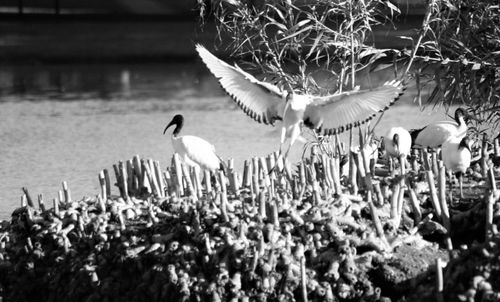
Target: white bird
{"x":266,"y":103}
{"x":193,"y":150}
{"x":456,"y":156}
{"x":397,"y":142}
{"x":435,"y":134}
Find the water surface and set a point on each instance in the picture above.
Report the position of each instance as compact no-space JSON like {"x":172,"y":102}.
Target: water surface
{"x":68,"y":122}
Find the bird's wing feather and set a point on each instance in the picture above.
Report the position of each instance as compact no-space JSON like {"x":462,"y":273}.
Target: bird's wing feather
{"x":260,"y":100}
{"x":435,"y":134}
{"x":339,"y":112}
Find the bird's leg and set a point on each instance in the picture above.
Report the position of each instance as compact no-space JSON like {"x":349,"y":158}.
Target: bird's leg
{"x":460,"y":183}
{"x":275,"y":165}
{"x":280,"y":151}
{"x":451,"y":195}
{"x":282,"y":140}
{"x":287,"y":151}
{"x":391,"y":166}
{"x":284,"y":159}
{"x":295,"y":132}
{"x":402,"y":166}
{"x":450,"y":184}
{"x":407,"y":163}
{"x":280,"y":154}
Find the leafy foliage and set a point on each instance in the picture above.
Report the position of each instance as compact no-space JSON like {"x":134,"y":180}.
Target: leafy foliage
{"x":456,"y":55}
{"x":461,"y":56}
{"x":283,"y":37}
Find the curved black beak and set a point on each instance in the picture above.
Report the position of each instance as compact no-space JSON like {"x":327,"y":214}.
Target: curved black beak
{"x":466,"y":115}
{"x":168,"y":126}
{"x":178,"y":121}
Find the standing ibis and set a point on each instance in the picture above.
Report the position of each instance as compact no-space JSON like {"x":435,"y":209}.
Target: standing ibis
{"x":266,"y":103}
{"x":456,"y":156}
{"x":193,"y":150}
{"x":435,"y":134}
{"x":397,"y":142}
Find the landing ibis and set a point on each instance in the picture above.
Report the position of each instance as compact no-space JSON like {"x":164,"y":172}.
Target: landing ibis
{"x":456,"y":156}
{"x":193,"y":150}
{"x":265,"y":102}
{"x":435,"y":134}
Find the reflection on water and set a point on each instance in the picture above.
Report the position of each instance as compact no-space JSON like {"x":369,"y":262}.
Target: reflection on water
{"x":68,"y":122}
{"x":105,"y":82}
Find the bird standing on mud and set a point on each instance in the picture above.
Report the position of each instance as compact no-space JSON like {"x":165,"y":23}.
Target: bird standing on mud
{"x":456,"y":156}
{"x":266,"y":103}
{"x":193,"y":150}
{"x":435,"y":134}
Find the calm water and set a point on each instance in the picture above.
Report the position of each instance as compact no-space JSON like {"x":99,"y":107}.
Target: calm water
{"x":68,"y":122}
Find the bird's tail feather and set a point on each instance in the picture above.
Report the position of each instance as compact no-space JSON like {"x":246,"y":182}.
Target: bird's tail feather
{"x":414,"y":133}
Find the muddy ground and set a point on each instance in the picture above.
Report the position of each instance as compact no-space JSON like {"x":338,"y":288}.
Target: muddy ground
{"x":282,"y":236}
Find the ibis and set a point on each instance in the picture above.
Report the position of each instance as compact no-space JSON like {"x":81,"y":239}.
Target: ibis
{"x":397,"y":142}
{"x":456,"y":156}
{"x":193,"y":150}
{"x":265,"y":102}
{"x":435,"y":134}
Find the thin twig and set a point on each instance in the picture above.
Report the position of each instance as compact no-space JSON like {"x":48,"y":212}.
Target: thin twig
{"x":425,"y":27}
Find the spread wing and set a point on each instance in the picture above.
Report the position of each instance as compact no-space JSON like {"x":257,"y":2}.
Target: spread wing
{"x":260,"y":100}
{"x":340,"y":112}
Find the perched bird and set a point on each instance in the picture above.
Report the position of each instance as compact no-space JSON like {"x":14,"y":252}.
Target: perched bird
{"x":397,"y":142}
{"x":456,"y":156}
{"x":266,"y":103}
{"x":435,"y":134}
{"x":193,"y":150}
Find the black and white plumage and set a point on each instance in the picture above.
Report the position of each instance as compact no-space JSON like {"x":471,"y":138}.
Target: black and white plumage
{"x":397,"y":142}
{"x":266,"y":103}
{"x":193,"y":150}
{"x":457,"y":156}
{"x":435,"y":134}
